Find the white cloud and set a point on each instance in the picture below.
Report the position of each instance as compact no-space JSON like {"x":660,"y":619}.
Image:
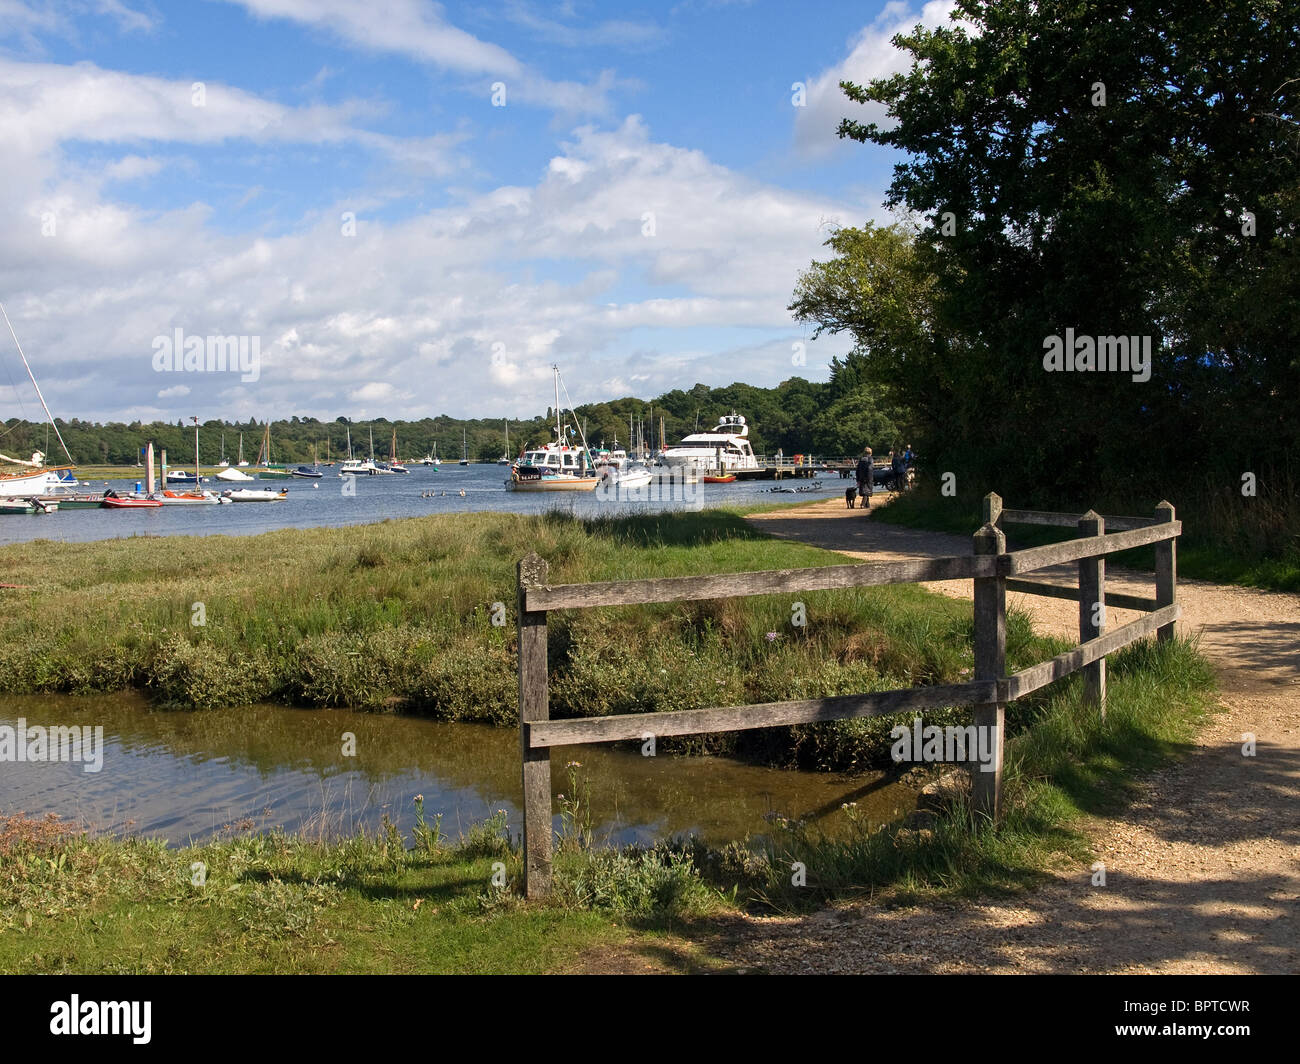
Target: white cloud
{"x":416,"y":29}
{"x":401,"y":318}
{"x":871,"y":55}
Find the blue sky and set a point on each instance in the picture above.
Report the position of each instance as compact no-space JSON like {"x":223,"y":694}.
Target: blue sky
{"x":340,"y":186}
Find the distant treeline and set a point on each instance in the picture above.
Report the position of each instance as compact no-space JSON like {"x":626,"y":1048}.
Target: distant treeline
{"x":797,"y":416}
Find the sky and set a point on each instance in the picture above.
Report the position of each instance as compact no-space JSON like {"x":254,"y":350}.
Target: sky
{"x":407,"y":209}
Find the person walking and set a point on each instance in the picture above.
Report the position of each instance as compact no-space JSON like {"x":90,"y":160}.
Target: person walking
{"x":866,"y":475}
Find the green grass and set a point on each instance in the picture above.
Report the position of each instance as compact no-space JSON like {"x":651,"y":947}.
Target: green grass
{"x":1064,"y":764}
{"x":385,"y":904}
{"x":284,"y":905}
{"x":1222,"y":540}
{"x":399,"y":615}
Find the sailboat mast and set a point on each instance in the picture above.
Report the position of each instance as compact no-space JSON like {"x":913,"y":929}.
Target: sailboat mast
{"x":196,"y":447}
{"x":32,"y":376}
{"x":559,"y":436}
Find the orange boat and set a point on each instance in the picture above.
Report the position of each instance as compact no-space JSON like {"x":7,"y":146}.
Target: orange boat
{"x":719,"y":480}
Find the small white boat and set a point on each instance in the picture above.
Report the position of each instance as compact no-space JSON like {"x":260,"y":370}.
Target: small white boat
{"x":630,"y":476}
{"x":181,"y":476}
{"x":191,"y":498}
{"x":255,"y":495}
{"x":233,"y":474}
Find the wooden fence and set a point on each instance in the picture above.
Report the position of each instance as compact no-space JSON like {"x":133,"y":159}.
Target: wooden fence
{"x":994,"y":571}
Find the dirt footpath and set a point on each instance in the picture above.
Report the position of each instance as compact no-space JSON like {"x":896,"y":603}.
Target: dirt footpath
{"x":1203,"y":870}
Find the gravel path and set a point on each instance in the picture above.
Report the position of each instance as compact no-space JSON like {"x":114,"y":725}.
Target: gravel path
{"x":1203,"y":869}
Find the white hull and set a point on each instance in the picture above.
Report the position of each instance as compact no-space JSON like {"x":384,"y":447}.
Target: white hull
{"x":628,"y":479}
{"x":36,"y":483}
{"x":560,"y":483}
{"x":255,"y":495}
{"x":234,"y":475}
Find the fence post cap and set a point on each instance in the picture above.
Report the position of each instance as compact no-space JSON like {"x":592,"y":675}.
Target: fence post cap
{"x":1092,"y":517}
{"x":1165,"y":505}
{"x":532,"y":569}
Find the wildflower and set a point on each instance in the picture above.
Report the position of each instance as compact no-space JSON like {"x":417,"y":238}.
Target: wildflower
{"x":771,"y":637}
{"x":419,"y":798}
{"x":574,"y":764}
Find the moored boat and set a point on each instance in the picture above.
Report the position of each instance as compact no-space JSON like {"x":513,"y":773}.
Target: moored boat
{"x":27,"y":506}
{"x":190,"y":498}
{"x":557,"y":466}
{"x":255,"y":495}
{"x":113,"y":501}
{"x":725,"y":449}
{"x":70,"y":500}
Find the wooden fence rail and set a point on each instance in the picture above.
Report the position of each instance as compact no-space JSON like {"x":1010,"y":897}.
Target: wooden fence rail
{"x":990,"y":567}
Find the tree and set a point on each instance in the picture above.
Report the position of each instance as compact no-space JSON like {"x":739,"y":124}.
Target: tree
{"x":1117,"y":169}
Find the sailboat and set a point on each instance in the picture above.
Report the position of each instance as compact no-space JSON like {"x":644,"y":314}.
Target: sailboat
{"x":431,"y":459}
{"x":392,"y":465}
{"x":464,"y":448}
{"x":242,"y":461}
{"x":505,"y":456}
{"x":265,"y":470}
{"x":311,"y":472}
{"x":41,"y":478}
{"x":224,"y":460}
{"x":557,"y":466}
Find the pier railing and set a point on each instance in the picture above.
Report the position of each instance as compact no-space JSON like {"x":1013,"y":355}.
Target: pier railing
{"x":990,"y":566}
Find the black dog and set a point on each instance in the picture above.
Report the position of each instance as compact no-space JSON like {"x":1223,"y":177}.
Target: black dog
{"x":850,"y":497}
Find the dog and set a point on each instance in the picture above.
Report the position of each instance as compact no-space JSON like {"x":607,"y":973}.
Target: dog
{"x":850,"y":497}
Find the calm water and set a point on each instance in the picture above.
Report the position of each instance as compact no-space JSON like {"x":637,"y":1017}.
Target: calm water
{"x":322,"y":502}
{"x":189,"y":775}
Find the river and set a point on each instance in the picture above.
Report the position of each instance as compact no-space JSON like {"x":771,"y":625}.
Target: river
{"x":425,"y":490}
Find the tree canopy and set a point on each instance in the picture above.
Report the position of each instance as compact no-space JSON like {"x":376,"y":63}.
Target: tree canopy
{"x":1114,"y":169}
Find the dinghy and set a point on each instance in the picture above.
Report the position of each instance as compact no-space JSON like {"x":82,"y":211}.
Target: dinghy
{"x":255,"y":495}
{"x":113,"y":501}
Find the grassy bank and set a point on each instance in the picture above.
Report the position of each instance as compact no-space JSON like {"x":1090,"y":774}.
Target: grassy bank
{"x":1229,"y":539}
{"x":427,"y":904}
{"x":400,"y":615}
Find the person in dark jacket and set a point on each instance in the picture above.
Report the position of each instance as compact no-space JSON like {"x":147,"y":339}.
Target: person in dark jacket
{"x":866,"y":475}
{"x":898,"y":470}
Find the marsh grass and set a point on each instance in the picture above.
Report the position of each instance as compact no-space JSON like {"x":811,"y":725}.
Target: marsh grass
{"x":398,"y":616}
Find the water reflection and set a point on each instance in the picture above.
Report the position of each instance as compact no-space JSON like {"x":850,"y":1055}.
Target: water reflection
{"x":187,"y":775}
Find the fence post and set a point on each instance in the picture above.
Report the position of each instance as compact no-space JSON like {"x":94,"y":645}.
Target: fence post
{"x":533,"y":706}
{"x":1166,"y":571}
{"x":990,"y":664}
{"x":1092,"y":610}
{"x":992,"y":509}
